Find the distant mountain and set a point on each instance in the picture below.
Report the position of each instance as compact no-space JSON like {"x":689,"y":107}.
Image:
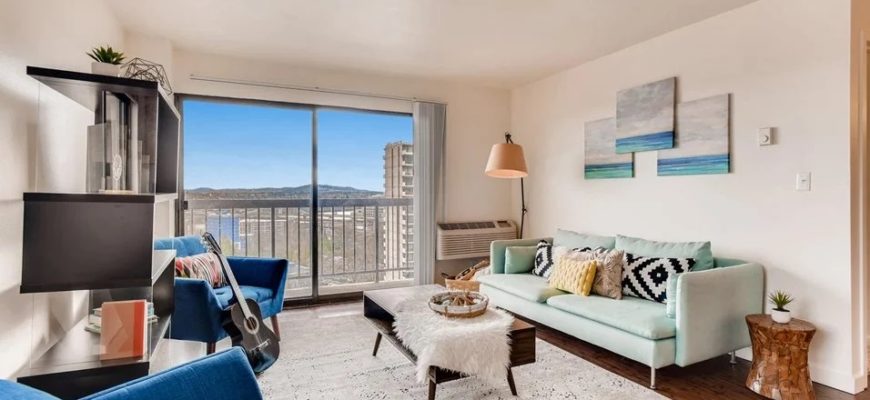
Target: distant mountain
{"x":298,"y":192}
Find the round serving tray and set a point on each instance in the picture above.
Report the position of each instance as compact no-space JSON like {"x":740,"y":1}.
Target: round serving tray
{"x":442,"y":303}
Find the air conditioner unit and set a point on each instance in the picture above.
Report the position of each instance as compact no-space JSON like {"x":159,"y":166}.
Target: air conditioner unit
{"x":471,"y":239}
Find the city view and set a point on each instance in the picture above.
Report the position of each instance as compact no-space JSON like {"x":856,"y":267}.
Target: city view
{"x":364,"y":233}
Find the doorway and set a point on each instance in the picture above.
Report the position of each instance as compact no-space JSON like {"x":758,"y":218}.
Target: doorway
{"x":328,"y":189}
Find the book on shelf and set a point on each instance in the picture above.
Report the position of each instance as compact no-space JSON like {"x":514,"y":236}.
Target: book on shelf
{"x":123,"y":328}
{"x":94,"y":323}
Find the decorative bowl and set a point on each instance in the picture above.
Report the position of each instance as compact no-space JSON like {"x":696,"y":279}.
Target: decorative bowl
{"x":459,"y":304}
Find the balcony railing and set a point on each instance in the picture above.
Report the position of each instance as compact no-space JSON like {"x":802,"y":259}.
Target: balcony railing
{"x":362,"y":243}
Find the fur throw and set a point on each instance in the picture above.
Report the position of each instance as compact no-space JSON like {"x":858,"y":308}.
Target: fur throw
{"x":475,"y":346}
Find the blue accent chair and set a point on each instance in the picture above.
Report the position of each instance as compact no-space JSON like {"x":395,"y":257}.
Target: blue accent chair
{"x":199,"y":308}
{"x":222,"y":376}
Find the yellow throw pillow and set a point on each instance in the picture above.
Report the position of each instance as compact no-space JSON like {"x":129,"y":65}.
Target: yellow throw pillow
{"x":573,"y":275}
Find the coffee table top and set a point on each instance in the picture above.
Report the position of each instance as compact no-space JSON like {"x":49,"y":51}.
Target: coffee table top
{"x":389,"y":299}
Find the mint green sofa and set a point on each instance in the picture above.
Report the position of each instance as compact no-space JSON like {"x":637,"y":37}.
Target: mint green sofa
{"x":710,"y":310}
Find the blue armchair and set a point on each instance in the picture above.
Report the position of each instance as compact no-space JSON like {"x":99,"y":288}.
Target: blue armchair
{"x":222,"y":376}
{"x":199,"y":308}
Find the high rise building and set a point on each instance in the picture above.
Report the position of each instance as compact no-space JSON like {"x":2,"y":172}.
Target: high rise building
{"x":398,"y":221}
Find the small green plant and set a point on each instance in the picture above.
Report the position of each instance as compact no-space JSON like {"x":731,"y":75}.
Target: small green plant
{"x":106,"y":55}
{"x":780,"y":299}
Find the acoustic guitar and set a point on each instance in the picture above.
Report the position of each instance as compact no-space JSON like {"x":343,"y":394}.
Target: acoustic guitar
{"x":244,"y":321}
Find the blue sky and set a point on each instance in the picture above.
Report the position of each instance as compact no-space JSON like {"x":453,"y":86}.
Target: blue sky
{"x":248,"y":146}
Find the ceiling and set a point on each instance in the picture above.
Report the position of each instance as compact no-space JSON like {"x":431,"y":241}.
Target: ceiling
{"x":503,"y":43}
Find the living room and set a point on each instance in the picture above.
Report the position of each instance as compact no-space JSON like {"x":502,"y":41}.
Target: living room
{"x":434,"y":199}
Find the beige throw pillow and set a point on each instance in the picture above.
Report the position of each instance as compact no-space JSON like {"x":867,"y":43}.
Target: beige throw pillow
{"x":608,"y":276}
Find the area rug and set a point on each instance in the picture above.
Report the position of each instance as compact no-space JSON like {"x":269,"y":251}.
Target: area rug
{"x":326,"y":353}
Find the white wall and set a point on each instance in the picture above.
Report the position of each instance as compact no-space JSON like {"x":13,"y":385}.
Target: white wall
{"x":786,"y":63}
{"x":42,"y":147}
{"x":476,"y":118}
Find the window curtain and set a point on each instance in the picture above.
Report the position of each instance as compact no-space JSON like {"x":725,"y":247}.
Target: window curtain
{"x":430,"y":121}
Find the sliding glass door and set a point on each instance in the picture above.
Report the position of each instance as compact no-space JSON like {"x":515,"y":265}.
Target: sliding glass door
{"x":330,"y":190}
{"x":365,"y":187}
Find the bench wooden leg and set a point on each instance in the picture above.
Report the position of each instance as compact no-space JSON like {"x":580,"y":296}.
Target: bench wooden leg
{"x":432,"y":387}
{"x":275,"y":326}
{"x":510,"y":378}
{"x":377,"y":344}
{"x":209,"y":348}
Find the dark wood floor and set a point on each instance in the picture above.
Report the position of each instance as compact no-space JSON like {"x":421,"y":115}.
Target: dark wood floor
{"x":712,"y":379}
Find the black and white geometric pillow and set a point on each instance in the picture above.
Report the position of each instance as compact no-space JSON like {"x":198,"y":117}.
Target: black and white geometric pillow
{"x":647,"y":277}
{"x":546,"y":257}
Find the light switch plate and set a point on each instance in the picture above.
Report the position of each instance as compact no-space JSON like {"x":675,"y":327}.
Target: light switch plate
{"x":803,"y":182}
{"x":765,"y":136}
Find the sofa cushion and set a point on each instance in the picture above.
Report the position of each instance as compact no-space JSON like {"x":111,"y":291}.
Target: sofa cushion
{"x":547,"y":256}
{"x":647,"y":277}
{"x":637,"y":316}
{"x":700,"y":251}
{"x":574,"y":240}
{"x":526,"y":286}
{"x":225,"y":294}
{"x":519,"y":259}
{"x":574,"y":276}
{"x":205,"y":266}
{"x":608,"y":275}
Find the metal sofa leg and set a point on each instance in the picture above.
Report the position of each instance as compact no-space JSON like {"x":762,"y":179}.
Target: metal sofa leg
{"x":733,"y":357}
{"x":652,"y":378}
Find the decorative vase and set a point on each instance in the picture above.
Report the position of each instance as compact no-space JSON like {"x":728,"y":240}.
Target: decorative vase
{"x":781,"y":316}
{"x":101,"y":68}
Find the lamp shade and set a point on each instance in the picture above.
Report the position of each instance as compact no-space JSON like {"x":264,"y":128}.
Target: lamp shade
{"x":506,"y":160}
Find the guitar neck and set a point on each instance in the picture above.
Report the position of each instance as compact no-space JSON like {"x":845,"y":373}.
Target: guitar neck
{"x":228,"y":272}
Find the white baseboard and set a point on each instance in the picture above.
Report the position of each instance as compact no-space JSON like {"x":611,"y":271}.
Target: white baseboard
{"x":839,"y":380}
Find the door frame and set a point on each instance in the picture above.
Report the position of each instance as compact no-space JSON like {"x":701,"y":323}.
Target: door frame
{"x":315,"y":297}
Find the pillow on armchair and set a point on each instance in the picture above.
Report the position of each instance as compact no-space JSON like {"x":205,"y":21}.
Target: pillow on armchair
{"x":205,"y":266}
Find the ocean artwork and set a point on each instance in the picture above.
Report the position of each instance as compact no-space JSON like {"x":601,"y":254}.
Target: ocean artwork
{"x":602,"y":162}
{"x":702,"y":139}
{"x":645,"y":117}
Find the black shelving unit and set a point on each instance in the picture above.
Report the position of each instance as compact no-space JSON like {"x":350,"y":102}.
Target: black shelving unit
{"x":102,"y":243}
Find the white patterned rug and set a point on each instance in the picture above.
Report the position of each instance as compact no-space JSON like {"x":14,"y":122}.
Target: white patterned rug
{"x":326,"y":354}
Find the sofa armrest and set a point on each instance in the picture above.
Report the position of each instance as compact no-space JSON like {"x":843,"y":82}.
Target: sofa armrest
{"x":263,"y":272}
{"x":222,"y":376}
{"x":197,"y":315}
{"x":711,"y":310}
{"x":497,"y":249}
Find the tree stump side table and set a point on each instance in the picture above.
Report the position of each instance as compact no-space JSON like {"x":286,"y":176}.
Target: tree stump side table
{"x":779,"y":358}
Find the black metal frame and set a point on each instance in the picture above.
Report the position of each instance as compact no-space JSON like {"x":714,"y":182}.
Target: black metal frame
{"x":523,"y":209}
{"x":315,"y":297}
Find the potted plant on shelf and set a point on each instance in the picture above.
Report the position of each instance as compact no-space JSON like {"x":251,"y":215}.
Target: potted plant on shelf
{"x":106,"y":61}
{"x":779,"y":313}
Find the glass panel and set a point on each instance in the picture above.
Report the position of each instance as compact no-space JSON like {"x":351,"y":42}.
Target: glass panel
{"x":247,"y":175}
{"x":365,"y":168}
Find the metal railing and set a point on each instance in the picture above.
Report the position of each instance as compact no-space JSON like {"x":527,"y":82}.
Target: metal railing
{"x":360,"y":241}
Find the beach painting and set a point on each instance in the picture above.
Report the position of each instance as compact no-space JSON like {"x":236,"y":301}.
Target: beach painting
{"x":702,"y":139}
{"x":645,"y":117}
{"x":602,"y":162}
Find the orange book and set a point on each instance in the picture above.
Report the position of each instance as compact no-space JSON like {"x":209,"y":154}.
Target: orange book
{"x":123,"y":329}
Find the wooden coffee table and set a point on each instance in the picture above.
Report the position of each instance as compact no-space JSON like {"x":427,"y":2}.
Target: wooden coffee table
{"x":379,"y":307}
